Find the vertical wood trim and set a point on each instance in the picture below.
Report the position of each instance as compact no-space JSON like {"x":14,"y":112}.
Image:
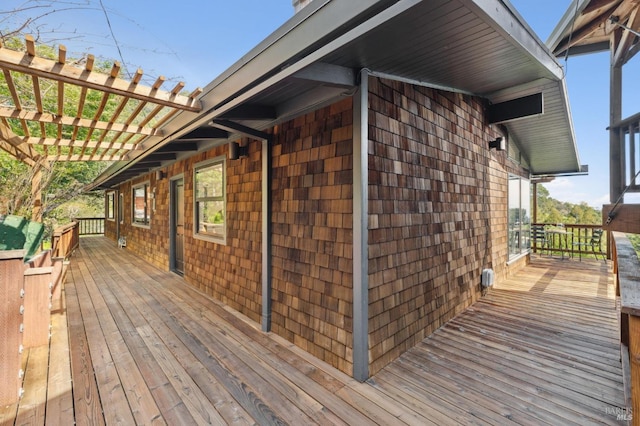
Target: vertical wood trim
{"x":116,"y":211}
{"x":634,"y":360}
{"x":616,"y":173}
{"x":172,"y":223}
{"x":622,"y":164}
{"x":360,"y":230}
{"x":632,"y":154}
{"x":535,"y":203}
{"x":266,"y":234}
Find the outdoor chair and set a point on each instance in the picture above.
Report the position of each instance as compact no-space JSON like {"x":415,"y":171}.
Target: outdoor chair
{"x":592,"y":245}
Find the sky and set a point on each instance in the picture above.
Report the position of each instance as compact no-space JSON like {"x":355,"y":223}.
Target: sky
{"x":195,"y":41}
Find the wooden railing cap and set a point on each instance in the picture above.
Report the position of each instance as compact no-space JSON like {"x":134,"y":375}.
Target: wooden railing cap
{"x":12,"y":254}
{"x":38,"y":271}
{"x":628,"y":274}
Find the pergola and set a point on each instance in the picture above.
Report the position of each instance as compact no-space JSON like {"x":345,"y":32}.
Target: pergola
{"x":52,"y":109}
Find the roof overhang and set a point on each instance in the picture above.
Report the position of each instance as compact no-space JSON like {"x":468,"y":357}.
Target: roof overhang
{"x":479,"y":47}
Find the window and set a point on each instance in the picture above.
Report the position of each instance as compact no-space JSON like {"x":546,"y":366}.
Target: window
{"x":210,"y":216}
{"x":121,"y":208}
{"x":111,"y":199}
{"x":519,"y":216}
{"x":140,"y":204}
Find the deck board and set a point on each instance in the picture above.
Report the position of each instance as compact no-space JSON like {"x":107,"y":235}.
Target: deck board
{"x":59,"y":406}
{"x":145,"y":347}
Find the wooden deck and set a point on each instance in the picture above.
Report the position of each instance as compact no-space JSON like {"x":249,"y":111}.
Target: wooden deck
{"x":146,"y":348}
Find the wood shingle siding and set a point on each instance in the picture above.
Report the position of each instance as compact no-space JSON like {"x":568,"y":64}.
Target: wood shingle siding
{"x":437,"y":217}
{"x":230,"y":272}
{"x":437,"y":211}
{"x":312,"y":233}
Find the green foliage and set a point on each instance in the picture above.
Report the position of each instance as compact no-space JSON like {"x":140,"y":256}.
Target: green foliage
{"x":551,"y":210}
{"x":62,"y":186}
{"x":218,"y":218}
{"x":15,"y":185}
{"x":635,"y":241}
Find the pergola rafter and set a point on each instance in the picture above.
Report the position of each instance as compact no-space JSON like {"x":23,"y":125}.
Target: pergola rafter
{"x":57,"y":111}
{"x":51,"y":111}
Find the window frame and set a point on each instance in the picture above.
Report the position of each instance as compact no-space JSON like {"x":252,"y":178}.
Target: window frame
{"x":110,"y":207}
{"x":146,"y":222}
{"x":121,"y":207}
{"x":197,"y":234}
{"x":522,"y":228}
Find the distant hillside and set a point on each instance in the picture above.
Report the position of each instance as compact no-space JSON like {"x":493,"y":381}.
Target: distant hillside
{"x":551,"y":210}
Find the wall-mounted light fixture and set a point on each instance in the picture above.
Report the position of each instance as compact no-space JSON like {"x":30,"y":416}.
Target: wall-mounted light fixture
{"x":500,"y":144}
{"x":160,"y":175}
{"x":236,"y":151}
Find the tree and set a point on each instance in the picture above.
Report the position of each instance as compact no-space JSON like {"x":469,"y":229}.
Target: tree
{"x":551,"y":210}
{"x":28,"y":18}
{"x":62,"y":190}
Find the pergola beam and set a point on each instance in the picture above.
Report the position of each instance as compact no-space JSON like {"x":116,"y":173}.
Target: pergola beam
{"x":622,"y":51}
{"x":98,"y":133}
{"x":16,"y":142}
{"x":77,"y":157}
{"x":71,"y":143}
{"x":44,"y":68}
{"x":16,"y":153}
{"x":77,"y":122}
{"x":584,"y":32}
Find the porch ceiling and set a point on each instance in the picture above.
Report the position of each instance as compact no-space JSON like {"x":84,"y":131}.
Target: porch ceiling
{"x":54,"y":110}
{"x":482,"y":48}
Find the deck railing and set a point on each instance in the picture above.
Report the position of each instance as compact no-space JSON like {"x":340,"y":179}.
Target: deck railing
{"x":29,"y":291}
{"x":65,"y":239}
{"x":91,"y":225}
{"x":571,"y":241}
{"x":626,"y":268}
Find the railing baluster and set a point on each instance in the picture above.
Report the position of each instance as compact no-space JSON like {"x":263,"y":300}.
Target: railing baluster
{"x":91,"y":225}
{"x":565,"y":244}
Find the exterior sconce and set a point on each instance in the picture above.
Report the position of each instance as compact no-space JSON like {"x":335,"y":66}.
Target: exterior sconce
{"x":160,"y":175}
{"x":236,"y":151}
{"x":499,"y":144}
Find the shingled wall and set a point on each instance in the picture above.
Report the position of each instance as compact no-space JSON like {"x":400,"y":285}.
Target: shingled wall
{"x":437,"y":217}
{"x":312,"y":233}
{"x":231,"y":272}
{"x":437,"y":211}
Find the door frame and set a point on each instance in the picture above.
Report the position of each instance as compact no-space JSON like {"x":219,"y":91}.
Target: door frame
{"x":172,"y":220}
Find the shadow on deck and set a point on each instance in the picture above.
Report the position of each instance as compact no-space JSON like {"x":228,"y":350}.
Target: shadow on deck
{"x":147,"y":348}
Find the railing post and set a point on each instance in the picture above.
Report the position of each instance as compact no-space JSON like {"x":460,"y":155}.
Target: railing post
{"x":11,"y":281}
{"x":634,"y":361}
{"x":59,"y":266}
{"x":76,"y":236}
{"x":37,"y":306}
{"x":627,"y":270}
